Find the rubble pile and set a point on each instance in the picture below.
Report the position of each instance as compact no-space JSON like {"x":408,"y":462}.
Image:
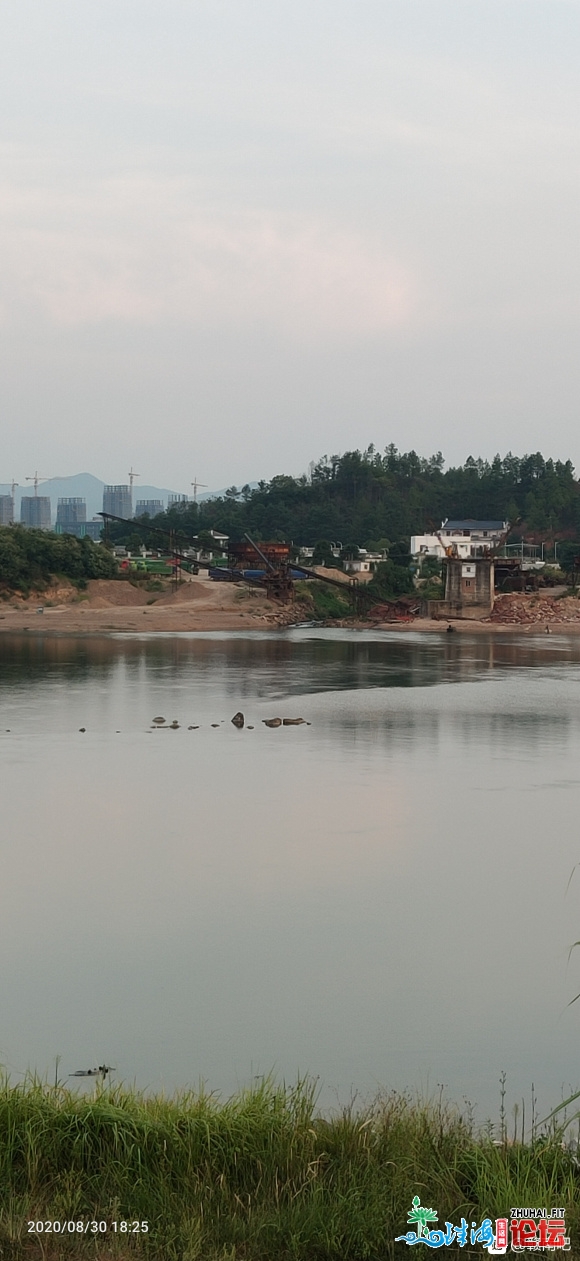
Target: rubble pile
{"x":525,"y":610}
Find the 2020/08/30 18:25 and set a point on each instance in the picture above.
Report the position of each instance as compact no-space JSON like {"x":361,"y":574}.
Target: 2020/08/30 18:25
{"x":80,"y":1227}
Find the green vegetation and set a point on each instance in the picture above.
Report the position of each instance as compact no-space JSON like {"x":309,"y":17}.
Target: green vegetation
{"x":324,"y":601}
{"x":30,"y":558}
{"x":259,"y":1177}
{"x":391,"y":581}
{"x":373,"y":496}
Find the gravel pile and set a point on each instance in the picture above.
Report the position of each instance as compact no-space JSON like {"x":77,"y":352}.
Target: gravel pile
{"x":528,"y":609}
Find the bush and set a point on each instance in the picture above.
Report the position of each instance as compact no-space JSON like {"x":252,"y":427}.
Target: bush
{"x":391,"y":580}
{"x":30,"y":558}
{"x":325,"y":601}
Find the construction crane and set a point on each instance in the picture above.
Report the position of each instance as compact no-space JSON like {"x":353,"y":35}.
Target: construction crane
{"x":195,"y":485}
{"x":36,"y":479}
{"x":132,"y":477}
{"x":278,"y":573}
{"x":13,"y":486}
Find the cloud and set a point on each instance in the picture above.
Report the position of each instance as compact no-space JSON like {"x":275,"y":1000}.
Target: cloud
{"x":141,"y":251}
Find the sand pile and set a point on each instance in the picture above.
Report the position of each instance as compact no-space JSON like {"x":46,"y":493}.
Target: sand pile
{"x":104,"y":593}
{"x":187,"y":592}
{"x":338,"y":575}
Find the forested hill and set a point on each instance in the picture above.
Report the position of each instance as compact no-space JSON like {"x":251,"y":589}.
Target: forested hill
{"x":365,"y":497}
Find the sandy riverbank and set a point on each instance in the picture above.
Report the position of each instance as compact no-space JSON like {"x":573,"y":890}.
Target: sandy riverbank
{"x":109,"y":607}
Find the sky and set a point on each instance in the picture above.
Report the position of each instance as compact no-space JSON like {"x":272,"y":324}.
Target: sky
{"x":236,"y":235}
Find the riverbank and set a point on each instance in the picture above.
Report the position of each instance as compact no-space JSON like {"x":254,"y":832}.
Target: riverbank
{"x":109,"y":607}
{"x":258,"y":1177}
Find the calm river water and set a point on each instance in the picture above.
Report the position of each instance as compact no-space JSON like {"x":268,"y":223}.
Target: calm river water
{"x":379,"y":899}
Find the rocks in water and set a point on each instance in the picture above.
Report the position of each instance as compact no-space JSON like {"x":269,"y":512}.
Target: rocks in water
{"x":158,"y":722}
{"x":174,"y":726}
{"x":238,"y":719}
{"x":82,"y":728}
{"x":215,"y":724}
{"x":293,"y":722}
{"x":196,"y":728}
{"x":249,"y":728}
{"x":272,"y":722}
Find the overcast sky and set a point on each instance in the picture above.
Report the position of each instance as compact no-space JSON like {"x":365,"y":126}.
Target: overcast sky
{"x":238,"y":234}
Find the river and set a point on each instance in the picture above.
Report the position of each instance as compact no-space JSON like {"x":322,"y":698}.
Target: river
{"x":378,"y":899}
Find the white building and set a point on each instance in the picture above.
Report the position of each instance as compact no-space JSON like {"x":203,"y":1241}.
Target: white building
{"x":483,"y":534}
{"x":431,"y":545}
{"x":468,"y":537}
{"x":365,"y":562}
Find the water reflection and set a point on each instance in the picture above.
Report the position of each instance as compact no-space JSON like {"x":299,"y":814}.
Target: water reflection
{"x":378,"y":898}
{"x":287,"y":663}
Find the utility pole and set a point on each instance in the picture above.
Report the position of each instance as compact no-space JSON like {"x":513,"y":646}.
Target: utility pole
{"x":195,"y":485}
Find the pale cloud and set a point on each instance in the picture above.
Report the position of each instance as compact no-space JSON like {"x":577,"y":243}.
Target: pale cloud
{"x":140,"y":251}
{"x":357,"y":219}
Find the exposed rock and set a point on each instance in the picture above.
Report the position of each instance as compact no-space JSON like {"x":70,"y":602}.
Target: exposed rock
{"x":238,"y":719}
{"x":249,"y":728}
{"x":293,"y":722}
{"x":82,"y":728}
{"x":215,"y":724}
{"x":174,"y":725}
{"x":272,"y":722}
{"x":158,"y":721}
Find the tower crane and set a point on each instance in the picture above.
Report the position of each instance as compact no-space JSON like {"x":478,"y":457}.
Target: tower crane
{"x":36,"y":479}
{"x":195,"y":485}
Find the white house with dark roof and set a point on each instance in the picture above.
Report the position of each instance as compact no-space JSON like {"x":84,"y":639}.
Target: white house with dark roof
{"x":483,"y":534}
{"x":469,"y":538}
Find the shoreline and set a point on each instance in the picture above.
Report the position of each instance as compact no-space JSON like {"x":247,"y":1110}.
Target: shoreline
{"x":110,"y":607}
{"x":93,"y":627}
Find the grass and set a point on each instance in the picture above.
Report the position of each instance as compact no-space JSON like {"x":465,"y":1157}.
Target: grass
{"x":259,"y":1177}
{"x":324,"y":601}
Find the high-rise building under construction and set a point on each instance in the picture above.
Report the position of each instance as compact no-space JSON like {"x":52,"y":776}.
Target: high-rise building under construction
{"x":71,"y":516}
{"x":35,"y":511}
{"x":117,"y":501}
{"x":6,"y":509}
{"x":150,"y":506}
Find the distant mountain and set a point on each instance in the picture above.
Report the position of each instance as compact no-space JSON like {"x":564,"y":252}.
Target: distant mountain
{"x":85,"y":486}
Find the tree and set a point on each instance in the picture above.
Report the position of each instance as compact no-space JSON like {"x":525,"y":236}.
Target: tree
{"x":323,"y":554}
{"x":568,"y":553}
{"x":391,"y":580}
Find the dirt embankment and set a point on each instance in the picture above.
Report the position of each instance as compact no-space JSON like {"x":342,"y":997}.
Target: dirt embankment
{"x":111,"y":606}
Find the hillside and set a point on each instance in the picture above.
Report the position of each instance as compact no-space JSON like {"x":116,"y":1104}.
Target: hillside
{"x":372,"y":498}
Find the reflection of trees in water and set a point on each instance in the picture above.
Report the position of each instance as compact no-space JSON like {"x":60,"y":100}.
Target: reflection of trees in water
{"x":34,"y":658}
{"x":262,"y":666}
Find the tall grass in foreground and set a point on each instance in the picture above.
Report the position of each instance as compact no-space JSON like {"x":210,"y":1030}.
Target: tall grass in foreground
{"x":259,"y":1176}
